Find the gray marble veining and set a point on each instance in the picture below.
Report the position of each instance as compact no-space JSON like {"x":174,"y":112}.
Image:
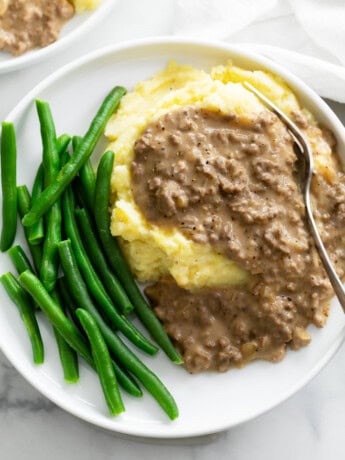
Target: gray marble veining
{"x":16,"y":394}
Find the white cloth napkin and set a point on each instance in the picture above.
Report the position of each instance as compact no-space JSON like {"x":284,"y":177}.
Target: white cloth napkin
{"x":236,"y":21}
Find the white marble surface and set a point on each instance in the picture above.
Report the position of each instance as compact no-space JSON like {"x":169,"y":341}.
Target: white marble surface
{"x":310,"y":425}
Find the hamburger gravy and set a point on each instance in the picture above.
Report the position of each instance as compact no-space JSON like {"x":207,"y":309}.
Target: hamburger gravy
{"x":232,"y":183}
{"x":27,"y":24}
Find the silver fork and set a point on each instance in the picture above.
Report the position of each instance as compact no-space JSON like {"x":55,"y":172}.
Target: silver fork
{"x":307,"y":155}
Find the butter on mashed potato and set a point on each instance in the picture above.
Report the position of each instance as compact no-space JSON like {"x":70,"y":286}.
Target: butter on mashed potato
{"x":151,"y":250}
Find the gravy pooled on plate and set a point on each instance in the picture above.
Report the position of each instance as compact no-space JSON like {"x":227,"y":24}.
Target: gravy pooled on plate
{"x":232,"y":184}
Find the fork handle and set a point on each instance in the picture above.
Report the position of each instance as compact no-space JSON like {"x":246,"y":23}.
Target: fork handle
{"x":325,"y":259}
{"x":304,"y":147}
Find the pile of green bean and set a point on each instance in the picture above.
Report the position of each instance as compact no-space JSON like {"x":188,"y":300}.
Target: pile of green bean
{"x":78,"y":277}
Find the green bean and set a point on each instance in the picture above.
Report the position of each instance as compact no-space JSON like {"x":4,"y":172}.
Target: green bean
{"x":125,"y":380}
{"x":76,"y":141}
{"x":62,"y":143}
{"x":68,"y":357}
{"x":26,"y":310}
{"x":51,"y":160}
{"x":51,"y":166}
{"x":19,"y":259}
{"x":36,"y":232}
{"x":94,"y":284}
{"x":50,"y":260}
{"x":118,"y":262}
{"x":68,"y":302}
{"x":55,"y":315}
{"x":87,"y":176}
{"x":80,"y":187}
{"x":95,"y":252}
{"x":9,"y":187}
{"x":22,"y":263}
{"x":104,"y":366}
{"x":51,"y":194}
{"x":118,"y":349}
{"x":79,"y":193}
{"x":24,"y":203}
{"x":67,"y":329}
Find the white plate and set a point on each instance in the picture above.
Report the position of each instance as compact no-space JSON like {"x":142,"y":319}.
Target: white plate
{"x":77,"y":26}
{"x":208,"y":402}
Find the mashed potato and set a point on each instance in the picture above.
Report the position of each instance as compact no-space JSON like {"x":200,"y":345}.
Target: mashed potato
{"x":83,"y":5}
{"x":151,"y":250}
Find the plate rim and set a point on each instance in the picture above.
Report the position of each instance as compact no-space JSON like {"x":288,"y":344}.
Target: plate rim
{"x":242,"y":53}
{"x":40,"y":54}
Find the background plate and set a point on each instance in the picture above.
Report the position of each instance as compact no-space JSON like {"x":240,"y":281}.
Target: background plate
{"x":77,"y":26}
{"x":209,"y":402}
